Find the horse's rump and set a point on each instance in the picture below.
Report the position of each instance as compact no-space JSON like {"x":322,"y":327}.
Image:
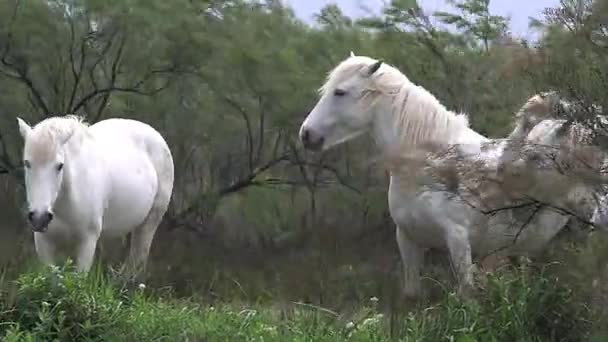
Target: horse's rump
{"x":523,"y":173}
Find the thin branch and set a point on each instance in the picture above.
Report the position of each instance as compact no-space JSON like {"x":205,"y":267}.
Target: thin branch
{"x":135,"y":88}
{"x":102,"y":54}
{"x":113,"y":77}
{"x":23,"y":77}
{"x":4,"y":157}
{"x":236,"y":186}
{"x":21,"y":74}
{"x":247,"y":181}
{"x":76,"y":74}
{"x":248,"y":126}
{"x":537,"y":207}
{"x":261,"y":134}
{"x":334,"y":171}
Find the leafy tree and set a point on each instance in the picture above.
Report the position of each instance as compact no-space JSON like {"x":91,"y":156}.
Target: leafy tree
{"x":476,"y":22}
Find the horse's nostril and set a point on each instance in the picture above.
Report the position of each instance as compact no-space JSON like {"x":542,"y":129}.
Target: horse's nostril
{"x":30,"y":216}
{"x":305,"y":135}
{"x":49,"y":217}
{"x":311,"y":140}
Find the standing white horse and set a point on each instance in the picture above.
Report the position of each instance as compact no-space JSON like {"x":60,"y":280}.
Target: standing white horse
{"x":365,"y":95}
{"x":85,"y":182}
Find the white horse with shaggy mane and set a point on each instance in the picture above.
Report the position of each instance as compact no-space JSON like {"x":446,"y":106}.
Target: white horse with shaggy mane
{"x":365,"y":95}
{"x":86,"y":182}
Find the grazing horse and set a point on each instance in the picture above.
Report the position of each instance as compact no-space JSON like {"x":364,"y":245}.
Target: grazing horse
{"x":86,"y":182}
{"x":364,"y":95}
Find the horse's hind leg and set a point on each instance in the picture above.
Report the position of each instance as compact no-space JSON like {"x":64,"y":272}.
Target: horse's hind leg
{"x":141,"y":241}
{"x":412,"y":258}
{"x":460,"y":255}
{"x":142,"y":236}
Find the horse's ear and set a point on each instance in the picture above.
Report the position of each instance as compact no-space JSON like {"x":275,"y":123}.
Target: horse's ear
{"x":24,"y":128}
{"x":372,"y":69}
{"x":352,"y":54}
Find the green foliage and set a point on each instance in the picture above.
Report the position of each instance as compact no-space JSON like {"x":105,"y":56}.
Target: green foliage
{"x":63,"y":305}
{"x":476,"y":21}
{"x":515,"y":306}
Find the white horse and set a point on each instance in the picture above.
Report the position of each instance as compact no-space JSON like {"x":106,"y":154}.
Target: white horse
{"x":85,"y":182}
{"x":548,"y":119}
{"x":365,"y":95}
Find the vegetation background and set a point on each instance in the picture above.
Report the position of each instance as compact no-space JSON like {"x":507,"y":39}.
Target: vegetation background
{"x":256,"y":222}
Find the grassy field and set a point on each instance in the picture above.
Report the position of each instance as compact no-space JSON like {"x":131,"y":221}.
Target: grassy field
{"x":57,"y":304}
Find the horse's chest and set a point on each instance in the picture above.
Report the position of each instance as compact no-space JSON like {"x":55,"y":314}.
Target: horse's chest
{"x":62,"y":234}
{"x":416,"y":217}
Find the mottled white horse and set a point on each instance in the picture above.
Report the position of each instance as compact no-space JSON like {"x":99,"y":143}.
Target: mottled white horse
{"x":86,"y":182}
{"x":548,"y":119}
{"x":365,"y":95}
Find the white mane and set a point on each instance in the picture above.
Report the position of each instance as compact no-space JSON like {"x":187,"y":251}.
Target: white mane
{"x":418,"y":116}
{"x":48,"y":135}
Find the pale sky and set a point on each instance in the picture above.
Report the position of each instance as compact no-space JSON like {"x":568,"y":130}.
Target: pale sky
{"x":518,"y":10}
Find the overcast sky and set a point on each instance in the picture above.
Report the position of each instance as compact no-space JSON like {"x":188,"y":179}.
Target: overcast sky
{"x":518,"y":10}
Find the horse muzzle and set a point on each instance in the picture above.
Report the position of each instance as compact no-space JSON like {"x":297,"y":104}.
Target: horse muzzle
{"x":311,"y":140}
{"x":40,"y":220}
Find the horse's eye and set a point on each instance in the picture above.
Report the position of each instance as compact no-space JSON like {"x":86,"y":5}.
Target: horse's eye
{"x":59,"y":166}
{"x":27,"y":164}
{"x":339,"y":92}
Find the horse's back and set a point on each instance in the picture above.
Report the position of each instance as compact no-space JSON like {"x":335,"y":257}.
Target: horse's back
{"x":136,"y":132}
{"x":134,"y":135}
{"x":545,"y":132}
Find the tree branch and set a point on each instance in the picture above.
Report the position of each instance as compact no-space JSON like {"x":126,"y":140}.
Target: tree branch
{"x":20,"y":72}
{"x":4,"y":157}
{"x":76,"y":73}
{"x":236,"y":186}
{"x":113,"y":77}
{"x":135,"y":88}
{"x":261,"y":133}
{"x":23,"y":77}
{"x":248,"y":126}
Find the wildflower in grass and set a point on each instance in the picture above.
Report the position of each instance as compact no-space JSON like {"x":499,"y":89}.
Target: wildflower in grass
{"x":349,"y":326}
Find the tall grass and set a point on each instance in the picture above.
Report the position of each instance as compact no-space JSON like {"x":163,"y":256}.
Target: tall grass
{"x":59,"y":304}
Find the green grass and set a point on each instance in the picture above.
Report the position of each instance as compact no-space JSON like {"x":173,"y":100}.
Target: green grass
{"x":58,"y":304}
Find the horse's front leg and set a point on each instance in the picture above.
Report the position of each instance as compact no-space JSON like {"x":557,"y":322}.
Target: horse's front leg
{"x":46,"y":249}
{"x":412,"y":258}
{"x":459,"y":247}
{"x":85,"y":253}
{"x":85,"y":249}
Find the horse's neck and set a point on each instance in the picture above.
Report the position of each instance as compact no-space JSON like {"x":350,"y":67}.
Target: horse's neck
{"x":469,"y":136}
{"x":390,"y":139}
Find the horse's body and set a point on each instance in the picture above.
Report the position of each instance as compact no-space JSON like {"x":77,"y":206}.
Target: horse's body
{"x":430,"y":207}
{"x":555,"y":126}
{"x":90,"y":182}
